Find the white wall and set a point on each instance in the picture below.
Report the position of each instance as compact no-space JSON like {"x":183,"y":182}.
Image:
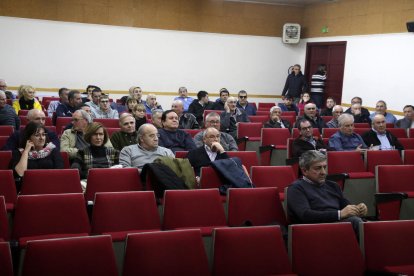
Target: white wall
{"x":378,"y":67}
{"x":55,"y":54}
{"x":51,"y":54}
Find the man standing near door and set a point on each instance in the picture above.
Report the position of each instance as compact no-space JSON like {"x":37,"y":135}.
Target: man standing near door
{"x":296,"y":84}
{"x":318,"y":85}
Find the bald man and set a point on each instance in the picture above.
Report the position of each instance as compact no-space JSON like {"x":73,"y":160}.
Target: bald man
{"x":186,"y":120}
{"x":379,"y":137}
{"x":34,"y":115}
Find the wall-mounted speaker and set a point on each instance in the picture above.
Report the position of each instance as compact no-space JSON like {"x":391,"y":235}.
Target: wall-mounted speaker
{"x":410,"y":26}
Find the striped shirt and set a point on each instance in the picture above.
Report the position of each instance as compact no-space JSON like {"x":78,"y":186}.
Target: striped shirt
{"x":318,"y":83}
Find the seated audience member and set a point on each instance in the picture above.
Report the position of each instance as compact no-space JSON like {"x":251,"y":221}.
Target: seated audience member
{"x":37,"y":116}
{"x":226,"y":140}
{"x":135,"y":92}
{"x":27,"y":100}
{"x":171,"y":137}
{"x":3,"y":85}
{"x":327,"y":111}
{"x":198,"y":106}
{"x":186,"y":120}
{"x":145,"y":151}
{"x":184,"y":98}
{"x":379,"y":137}
{"x":8,"y":116}
{"x":304,"y":100}
{"x":72,"y":140}
{"x":127,"y":135}
{"x":359,"y":117}
{"x":275,"y":120}
{"x":35,"y":152}
{"x":306,"y":141}
{"x":358,"y":100}
{"x":96,"y":154}
{"x":313,"y":199}
{"x":87,"y":109}
{"x":244,"y":104}
{"x":220,"y":102}
{"x":130,"y":104}
{"x":231,"y":117}
{"x":407,"y":121}
{"x":381,"y":108}
{"x":311,"y":114}
{"x":95,"y":96}
{"x":105,"y":111}
{"x":63,"y":98}
{"x":87,"y":96}
{"x":156,"y":118}
{"x":207,"y":153}
{"x":73,"y":104}
{"x":345,"y":138}
{"x":337,"y":110}
{"x":139,"y":114}
{"x":288,"y":105}
{"x":151,"y":103}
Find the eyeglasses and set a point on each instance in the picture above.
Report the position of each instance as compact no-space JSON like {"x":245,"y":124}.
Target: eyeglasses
{"x":306,"y":128}
{"x":105,"y":101}
{"x":231,"y":102}
{"x":214,"y":121}
{"x":311,"y":108}
{"x":243,"y":97}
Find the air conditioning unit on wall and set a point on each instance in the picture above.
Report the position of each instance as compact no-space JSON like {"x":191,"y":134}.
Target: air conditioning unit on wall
{"x":291,"y":33}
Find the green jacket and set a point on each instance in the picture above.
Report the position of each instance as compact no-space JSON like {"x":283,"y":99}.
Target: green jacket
{"x":182,"y":169}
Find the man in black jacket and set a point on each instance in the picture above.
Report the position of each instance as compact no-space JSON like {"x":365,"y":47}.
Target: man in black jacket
{"x":198,"y":106}
{"x":379,"y":138}
{"x":306,"y":141}
{"x":210,"y":151}
{"x":312,"y":116}
{"x":296,"y":84}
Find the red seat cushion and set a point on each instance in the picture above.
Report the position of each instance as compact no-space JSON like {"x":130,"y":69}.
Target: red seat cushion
{"x":401,"y":269}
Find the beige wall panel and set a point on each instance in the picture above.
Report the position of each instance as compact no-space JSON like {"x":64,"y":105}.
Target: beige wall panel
{"x":121,"y":15}
{"x":375,"y":22}
{"x":392,"y":21}
{"x":190,"y":22}
{"x":408,"y":4}
{"x":167,"y":20}
{"x":70,"y":12}
{"x":96,"y":13}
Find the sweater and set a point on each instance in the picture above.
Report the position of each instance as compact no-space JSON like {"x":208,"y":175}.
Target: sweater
{"x":197,"y":110}
{"x":135,"y":156}
{"x":120,"y":139}
{"x":8,"y":117}
{"x":178,"y":140}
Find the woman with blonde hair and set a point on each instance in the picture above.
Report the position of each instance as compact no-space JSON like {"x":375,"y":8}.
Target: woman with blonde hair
{"x":26,"y":100}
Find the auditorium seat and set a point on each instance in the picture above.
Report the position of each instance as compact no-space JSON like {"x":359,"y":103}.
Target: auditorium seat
{"x":360,"y":184}
{"x":6,"y":130}
{"x":6,"y":264}
{"x":92,"y":256}
{"x":325,"y":249}
{"x":408,"y":157}
{"x":361,"y":130}
{"x":274,"y":176}
{"x":186,"y":209}
{"x":259,"y":206}
{"x":3,"y":140}
{"x":181,"y":154}
{"x":39,"y":217}
{"x":61,"y":123}
{"x":248,"y":158}
{"x":388,"y":247}
{"x":362,"y":125}
{"x":395,"y":179}
{"x":398,"y":132}
{"x":57,"y":181}
{"x":273,"y":149}
{"x":165,"y":253}
{"x":210,"y":179}
{"x":248,"y":135}
{"x":382,"y":157}
{"x":65,"y":157}
{"x":407,"y":143}
{"x":328,"y":132}
{"x":5,"y":157}
{"x":326,"y":118}
{"x":259,"y":119}
{"x":265,"y":106}
{"x":296,"y":132}
{"x":111,"y":130}
{"x":4,"y":223}
{"x":8,"y":189}
{"x":263,"y":112}
{"x":112,"y":180}
{"x":192,"y":132}
{"x":118,"y":214}
{"x":250,"y":251}
{"x":111,"y":123}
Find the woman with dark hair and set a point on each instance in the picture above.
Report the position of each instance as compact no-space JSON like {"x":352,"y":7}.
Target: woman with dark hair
{"x":318,"y":85}
{"x":304,"y":99}
{"x":96,"y":155}
{"x":35,"y":152}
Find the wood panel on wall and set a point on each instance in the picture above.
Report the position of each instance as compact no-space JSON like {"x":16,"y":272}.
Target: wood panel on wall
{"x":356,"y":17}
{"x":215,"y":16}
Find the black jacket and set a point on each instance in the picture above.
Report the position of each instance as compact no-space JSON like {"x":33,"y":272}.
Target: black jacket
{"x":198,"y":158}
{"x":299,"y":146}
{"x":295,"y":85}
{"x":370,"y":138}
{"x":318,"y":122}
{"x":273,"y":124}
{"x":197,"y":110}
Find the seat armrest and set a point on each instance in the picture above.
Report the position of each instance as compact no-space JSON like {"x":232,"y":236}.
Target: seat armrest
{"x":337,"y":177}
{"x":242,"y":139}
{"x":387,"y":197}
{"x":266,"y":148}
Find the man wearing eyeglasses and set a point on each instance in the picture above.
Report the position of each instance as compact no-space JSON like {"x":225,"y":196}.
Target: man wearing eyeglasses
{"x":312,"y":116}
{"x":105,"y":111}
{"x":306,"y":141}
{"x":244,"y":104}
{"x":226,"y":140}
{"x":146,"y":151}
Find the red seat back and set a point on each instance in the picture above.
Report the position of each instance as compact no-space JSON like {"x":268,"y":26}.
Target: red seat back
{"x":5,"y":157}
{"x":382,"y":157}
{"x":275,"y":136}
{"x":111,"y":123}
{"x":398,"y":132}
{"x":4,"y":222}
{"x":248,"y":158}
{"x":6,"y":130}
{"x":345,"y":162}
{"x":6,"y":264}
{"x":408,"y":157}
{"x":8,"y":188}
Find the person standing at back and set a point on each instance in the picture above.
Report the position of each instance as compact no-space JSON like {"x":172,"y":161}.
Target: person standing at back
{"x":296,"y":84}
{"x":318,"y":84}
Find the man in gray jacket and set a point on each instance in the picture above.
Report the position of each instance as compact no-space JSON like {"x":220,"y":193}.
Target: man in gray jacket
{"x":407,"y":121}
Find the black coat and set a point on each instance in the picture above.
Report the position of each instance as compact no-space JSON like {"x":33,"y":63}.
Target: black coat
{"x":299,"y":146}
{"x":370,"y":138}
{"x":197,"y":110}
{"x":295,"y":85}
{"x":198,"y":158}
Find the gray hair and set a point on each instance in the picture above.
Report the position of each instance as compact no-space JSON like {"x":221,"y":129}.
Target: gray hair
{"x":2,"y":93}
{"x":85,"y":115}
{"x":231,"y":99}
{"x":208,"y":130}
{"x":337,"y":107}
{"x":344,"y":118}
{"x":123,"y":116}
{"x":32,"y":113}
{"x":309,"y":157}
{"x":275,"y":107}
{"x":212,"y":114}
{"x":141,"y":130}
{"x":155,"y":112}
{"x":309,"y":104}
{"x":179,"y":102}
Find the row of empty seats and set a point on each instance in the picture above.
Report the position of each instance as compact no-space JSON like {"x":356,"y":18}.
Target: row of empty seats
{"x":319,"y":249}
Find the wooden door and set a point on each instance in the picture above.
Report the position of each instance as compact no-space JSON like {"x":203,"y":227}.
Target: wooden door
{"x":333,"y":55}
